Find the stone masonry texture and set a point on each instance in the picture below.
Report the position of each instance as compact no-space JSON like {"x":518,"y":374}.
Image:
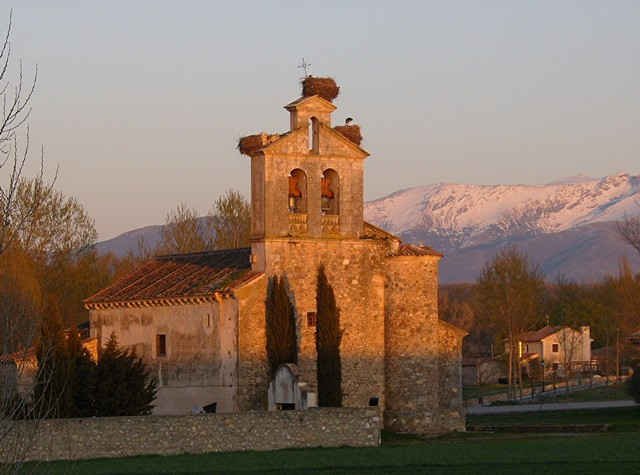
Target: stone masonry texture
{"x":73,"y":439}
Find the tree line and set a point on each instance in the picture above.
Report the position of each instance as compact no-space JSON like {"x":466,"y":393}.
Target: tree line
{"x":511,"y":297}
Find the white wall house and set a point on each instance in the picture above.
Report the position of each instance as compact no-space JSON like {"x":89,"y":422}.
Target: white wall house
{"x":558,"y":347}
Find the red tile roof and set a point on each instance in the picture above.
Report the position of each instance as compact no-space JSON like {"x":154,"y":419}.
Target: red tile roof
{"x":180,"y":275}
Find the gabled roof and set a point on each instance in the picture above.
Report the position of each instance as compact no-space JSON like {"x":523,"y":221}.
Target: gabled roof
{"x":275,"y":145}
{"x":538,"y":335}
{"x":179,"y":278}
{"x":320,"y":101}
{"x":345,"y":140}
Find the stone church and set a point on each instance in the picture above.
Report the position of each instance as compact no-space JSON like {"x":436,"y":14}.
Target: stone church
{"x":198,"y":319}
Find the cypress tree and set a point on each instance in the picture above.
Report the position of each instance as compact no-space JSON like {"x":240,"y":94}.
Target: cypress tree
{"x":328,"y":336}
{"x":280,"y":326}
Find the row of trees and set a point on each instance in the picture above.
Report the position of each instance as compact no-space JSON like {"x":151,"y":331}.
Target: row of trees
{"x":226,"y":226}
{"x":511,"y":297}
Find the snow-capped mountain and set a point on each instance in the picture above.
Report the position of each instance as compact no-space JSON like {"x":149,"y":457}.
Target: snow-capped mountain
{"x":568,"y":227}
{"x":461,"y":216}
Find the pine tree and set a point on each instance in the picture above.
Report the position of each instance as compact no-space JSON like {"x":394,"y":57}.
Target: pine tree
{"x":82,"y":377}
{"x":328,"y":337}
{"x":123,"y":383}
{"x":280,"y":326}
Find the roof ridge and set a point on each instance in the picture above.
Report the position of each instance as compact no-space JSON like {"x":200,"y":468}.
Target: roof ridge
{"x":201,"y":253}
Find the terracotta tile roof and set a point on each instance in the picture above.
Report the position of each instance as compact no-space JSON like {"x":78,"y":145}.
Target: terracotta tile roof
{"x":180,"y":275}
{"x":416,"y":250}
{"x":540,"y":334}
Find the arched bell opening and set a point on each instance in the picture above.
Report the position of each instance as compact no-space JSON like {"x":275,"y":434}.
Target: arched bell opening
{"x":297,"y":191}
{"x":330,"y":188}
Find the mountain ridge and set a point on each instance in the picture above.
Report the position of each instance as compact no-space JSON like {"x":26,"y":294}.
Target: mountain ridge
{"x":566,"y":226}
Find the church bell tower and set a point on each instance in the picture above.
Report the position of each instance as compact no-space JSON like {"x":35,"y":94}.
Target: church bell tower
{"x":307,"y":183}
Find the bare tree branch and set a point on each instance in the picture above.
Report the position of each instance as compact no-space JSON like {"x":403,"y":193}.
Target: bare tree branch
{"x":629,"y":230}
{"x":16,"y":109}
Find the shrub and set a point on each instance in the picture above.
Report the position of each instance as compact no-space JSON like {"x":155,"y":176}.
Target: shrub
{"x":124,"y":386}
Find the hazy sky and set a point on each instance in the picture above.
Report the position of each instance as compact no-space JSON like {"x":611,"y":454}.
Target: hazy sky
{"x":141,"y":103}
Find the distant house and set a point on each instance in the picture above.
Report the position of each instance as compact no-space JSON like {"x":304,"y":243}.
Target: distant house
{"x":18,"y":370}
{"x":17,"y":373}
{"x":482,"y":370}
{"x":557,"y":348}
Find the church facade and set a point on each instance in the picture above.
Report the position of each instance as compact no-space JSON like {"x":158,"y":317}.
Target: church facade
{"x":199,"y":319}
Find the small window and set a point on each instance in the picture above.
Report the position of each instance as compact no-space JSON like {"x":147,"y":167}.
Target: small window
{"x":161,"y":345}
{"x":311,"y":319}
{"x":554,"y":347}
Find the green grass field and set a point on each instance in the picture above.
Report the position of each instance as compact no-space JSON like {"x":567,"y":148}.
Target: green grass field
{"x":474,"y":392}
{"x":587,"y":454}
{"x":623,"y":419}
{"x":615,"y":392}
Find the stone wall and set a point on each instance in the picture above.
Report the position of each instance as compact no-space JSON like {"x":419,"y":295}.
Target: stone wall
{"x":411,"y":344}
{"x":253,"y":369}
{"x":73,"y":439}
{"x":451,"y":414}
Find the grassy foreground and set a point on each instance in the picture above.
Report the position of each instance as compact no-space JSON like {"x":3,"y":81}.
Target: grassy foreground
{"x":585,"y":454}
{"x":623,"y":419}
{"x":614,"y":392}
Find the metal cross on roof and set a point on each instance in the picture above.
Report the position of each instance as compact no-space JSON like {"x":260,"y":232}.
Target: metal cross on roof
{"x":306,"y":67}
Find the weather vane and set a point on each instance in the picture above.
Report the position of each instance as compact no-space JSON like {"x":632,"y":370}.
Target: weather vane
{"x":306,"y":67}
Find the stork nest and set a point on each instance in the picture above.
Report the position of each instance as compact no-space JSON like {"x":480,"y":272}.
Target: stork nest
{"x":352,"y":132}
{"x":251,"y":143}
{"x":323,"y":87}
